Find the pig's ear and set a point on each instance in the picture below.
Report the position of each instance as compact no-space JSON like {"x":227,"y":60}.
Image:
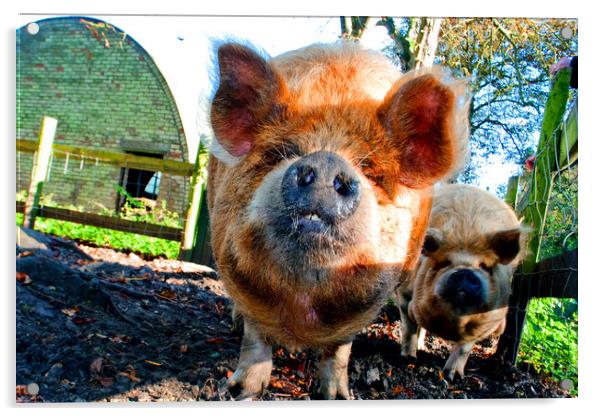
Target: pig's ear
{"x":248,"y":90}
{"x":507,"y":244}
{"x":432,"y":241}
{"x":423,"y":118}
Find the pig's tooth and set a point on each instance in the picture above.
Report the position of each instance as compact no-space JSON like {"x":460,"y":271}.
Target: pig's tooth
{"x":312,"y":217}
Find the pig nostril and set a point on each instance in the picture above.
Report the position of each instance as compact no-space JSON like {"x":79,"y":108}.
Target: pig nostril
{"x":344,"y":186}
{"x":305,"y":175}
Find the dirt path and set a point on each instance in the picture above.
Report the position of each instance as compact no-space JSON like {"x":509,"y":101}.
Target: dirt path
{"x":94,"y":324}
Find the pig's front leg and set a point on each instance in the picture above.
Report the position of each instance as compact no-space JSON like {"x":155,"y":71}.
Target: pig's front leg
{"x":457,"y":360}
{"x":334,"y":380}
{"x":254,"y":368}
{"x":408,"y":331}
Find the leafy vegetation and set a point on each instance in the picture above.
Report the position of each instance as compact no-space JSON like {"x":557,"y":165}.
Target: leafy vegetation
{"x":549,"y":342}
{"x":134,"y":210}
{"x":561,"y":228}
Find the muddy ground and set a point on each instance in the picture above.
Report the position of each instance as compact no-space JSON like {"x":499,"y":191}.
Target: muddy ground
{"x":97,"y":325}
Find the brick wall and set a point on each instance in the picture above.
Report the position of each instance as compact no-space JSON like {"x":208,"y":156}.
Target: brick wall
{"x":106,"y":92}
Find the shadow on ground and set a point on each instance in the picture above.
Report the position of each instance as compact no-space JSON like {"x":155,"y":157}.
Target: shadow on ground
{"x":94,"y":324}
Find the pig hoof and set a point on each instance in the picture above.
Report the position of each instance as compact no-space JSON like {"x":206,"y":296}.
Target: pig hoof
{"x":333,"y":392}
{"x":250,"y":382}
{"x":452,"y":374}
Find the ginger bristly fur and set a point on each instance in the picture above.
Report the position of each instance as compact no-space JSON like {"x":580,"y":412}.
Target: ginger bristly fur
{"x":400,"y":134}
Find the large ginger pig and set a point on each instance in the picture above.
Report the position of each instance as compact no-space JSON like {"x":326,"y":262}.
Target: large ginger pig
{"x":319,"y":193}
{"x":462,"y":285}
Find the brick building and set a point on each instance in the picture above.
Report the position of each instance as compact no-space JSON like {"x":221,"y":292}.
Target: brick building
{"x":106,"y":92}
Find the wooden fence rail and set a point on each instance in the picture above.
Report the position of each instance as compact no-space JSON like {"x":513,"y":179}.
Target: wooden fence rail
{"x":191,"y":248}
{"x":172,"y":167}
{"x":555,"y":277}
{"x":104,"y":221}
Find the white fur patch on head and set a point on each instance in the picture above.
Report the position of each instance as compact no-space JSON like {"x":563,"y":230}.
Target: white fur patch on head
{"x":267,"y":197}
{"x":217,"y":150}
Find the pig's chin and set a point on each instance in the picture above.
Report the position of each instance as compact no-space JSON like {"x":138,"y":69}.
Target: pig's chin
{"x":304,"y":240}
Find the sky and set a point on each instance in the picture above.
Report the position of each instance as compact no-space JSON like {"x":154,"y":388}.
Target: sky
{"x":181,"y":48}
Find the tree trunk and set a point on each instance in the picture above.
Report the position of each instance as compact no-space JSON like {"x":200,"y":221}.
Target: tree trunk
{"x":417,"y":47}
{"x":424,"y":36}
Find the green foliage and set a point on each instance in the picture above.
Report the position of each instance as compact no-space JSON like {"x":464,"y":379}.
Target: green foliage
{"x":549,"y":341}
{"x":133,"y":210}
{"x":561,"y":230}
{"x":146,"y":210}
{"x":507,"y":62}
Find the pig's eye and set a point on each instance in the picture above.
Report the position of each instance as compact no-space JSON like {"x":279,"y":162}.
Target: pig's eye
{"x":278,"y":153}
{"x":488,"y":269}
{"x":441,"y":264}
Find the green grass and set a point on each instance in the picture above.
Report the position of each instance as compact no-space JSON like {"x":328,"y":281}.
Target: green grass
{"x":134,"y":210}
{"x":103,"y":237}
{"x":549,"y":342}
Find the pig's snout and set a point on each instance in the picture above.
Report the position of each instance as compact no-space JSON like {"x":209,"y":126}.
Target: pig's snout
{"x":321,"y":188}
{"x":465,"y":290}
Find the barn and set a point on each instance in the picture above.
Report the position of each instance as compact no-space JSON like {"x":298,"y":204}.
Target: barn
{"x":106,"y":92}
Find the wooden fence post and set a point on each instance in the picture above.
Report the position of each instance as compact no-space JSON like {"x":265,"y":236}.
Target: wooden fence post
{"x":196,"y":192}
{"x":201,"y":252}
{"x":534,"y":209}
{"x":39,"y":170}
{"x":545,"y":168}
{"x":512,"y":191}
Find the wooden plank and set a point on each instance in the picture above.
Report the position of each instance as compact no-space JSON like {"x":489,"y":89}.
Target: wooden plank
{"x":113,"y":223}
{"x":120,"y":159}
{"x":195,"y":194}
{"x":43,"y":152}
{"x":567,"y":141}
{"x":542,"y":178}
{"x":509,"y":342}
{"x":512,"y":191}
{"x":554,"y":277}
{"x":201,"y":251}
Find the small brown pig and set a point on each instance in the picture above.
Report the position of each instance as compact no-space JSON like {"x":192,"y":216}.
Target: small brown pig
{"x":319,"y":192}
{"x":462,"y":284}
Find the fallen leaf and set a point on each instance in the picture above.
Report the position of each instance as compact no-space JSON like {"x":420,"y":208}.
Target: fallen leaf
{"x":183,"y":348}
{"x":214,"y":340}
{"x":105,"y":381}
{"x":70,"y":312}
{"x":21,"y":390}
{"x":120,"y":339}
{"x":26,"y":253}
{"x":229,"y":373}
{"x":167,"y":293}
{"x":131,"y":375}
{"x":23,"y":278}
{"x":276,"y":383}
{"x":152,"y":363}
{"x":82,"y":320}
{"x":96,"y":365}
